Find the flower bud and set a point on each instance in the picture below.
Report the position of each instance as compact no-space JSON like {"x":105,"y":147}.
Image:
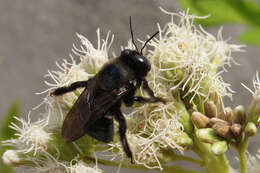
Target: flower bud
{"x":239,"y":115}
{"x":250,"y":129}
{"x":210,"y":109}
{"x":219,"y":147}
{"x":185,"y":141}
{"x":11,"y":157}
{"x":236,"y":129}
{"x":254,"y":109}
{"x":185,"y":120}
{"x":207,"y":135}
{"x":226,"y":115}
{"x":216,"y":120}
{"x":223,"y":130}
{"x":199,"y":120}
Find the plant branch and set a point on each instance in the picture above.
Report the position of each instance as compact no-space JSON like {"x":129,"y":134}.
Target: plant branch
{"x":172,"y":156}
{"x":166,"y":169}
{"x":241,"y":149}
{"x":177,"y":169}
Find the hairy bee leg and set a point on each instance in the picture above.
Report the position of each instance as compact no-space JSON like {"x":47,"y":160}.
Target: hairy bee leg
{"x":146,"y":87}
{"x":122,"y":130}
{"x":148,"y":100}
{"x":153,"y":99}
{"x":72,"y":87}
{"x":128,"y":99}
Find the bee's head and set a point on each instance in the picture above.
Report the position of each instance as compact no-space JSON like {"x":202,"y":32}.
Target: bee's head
{"x":137,"y":62}
{"x":135,"y":59}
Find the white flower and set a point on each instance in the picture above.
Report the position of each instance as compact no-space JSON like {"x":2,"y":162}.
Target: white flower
{"x":159,"y":123}
{"x":81,"y":167}
{"x":48,"y":163}
{"x":31,"y":136}
{"x":256,"y":85}
{"x":91,"y":60}
{"x":186,"y":58}
{"x":155,"y":127}
{"x":254,"y":108}
{"x":144,"y":154}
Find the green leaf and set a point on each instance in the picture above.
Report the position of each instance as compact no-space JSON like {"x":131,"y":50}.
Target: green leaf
{"x":68,"y":151}
{"x":7,"y":133}
{"x":228,"y":11}
{"x":251,"y":37}
{"x":224,"y":11}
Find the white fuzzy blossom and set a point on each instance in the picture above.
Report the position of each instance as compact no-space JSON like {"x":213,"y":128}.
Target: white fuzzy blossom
{"x":81,"y":167}
{"x":256,"y":84}
{"x":34,"y":139}
{"x":48,"y":163}
{"x":31,"y":136}
{"x":51,"y":164}
{"x":91,"y":60}
{"x":254,"y":108}
{"x":187,"y":58}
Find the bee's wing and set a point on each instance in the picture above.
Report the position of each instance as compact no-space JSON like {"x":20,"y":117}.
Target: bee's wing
{"x":73,"y":125}
{"x":88,"y":109}
{"x":103,"y":102}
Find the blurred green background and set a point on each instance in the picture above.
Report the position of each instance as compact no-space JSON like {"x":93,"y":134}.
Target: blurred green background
{"x":36,"y":33}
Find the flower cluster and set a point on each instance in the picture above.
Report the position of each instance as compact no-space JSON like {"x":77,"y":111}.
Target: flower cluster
{"x":185,"y":60}
{"x":31,"y":136}
{"x":40,"y":140}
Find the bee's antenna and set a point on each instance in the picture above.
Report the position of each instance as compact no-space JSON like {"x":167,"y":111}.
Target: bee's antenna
{"x":132,"y":35}
{"x":148,"y":41}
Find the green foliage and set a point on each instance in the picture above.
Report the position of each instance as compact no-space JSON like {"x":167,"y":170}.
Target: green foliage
{"x":7,"y":133}
{"x":228,"y":11}
{"x":251,"y":37}
{"x":69,"y":151}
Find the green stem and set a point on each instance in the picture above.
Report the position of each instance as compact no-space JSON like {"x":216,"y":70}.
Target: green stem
{"x":211,"y":162}
{"x":242,"y":155}
{"x":177,"y":169}
{"x":171,"y":156}
{"x":166,"y":169}
{"x":189,"y":159}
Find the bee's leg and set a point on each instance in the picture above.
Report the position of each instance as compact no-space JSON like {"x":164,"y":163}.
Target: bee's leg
{"x":122,"y":130}
{"x":148,"y":100}
{"x":153,"y":99}
{"x":129,"y":98}
{"x":146,"y":87}
{"x":66,"y":89}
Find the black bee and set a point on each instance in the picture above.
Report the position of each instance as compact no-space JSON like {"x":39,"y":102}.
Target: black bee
{"x":100,"y":102}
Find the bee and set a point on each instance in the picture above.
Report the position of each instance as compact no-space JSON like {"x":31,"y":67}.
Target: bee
{"x":100,"y":102}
